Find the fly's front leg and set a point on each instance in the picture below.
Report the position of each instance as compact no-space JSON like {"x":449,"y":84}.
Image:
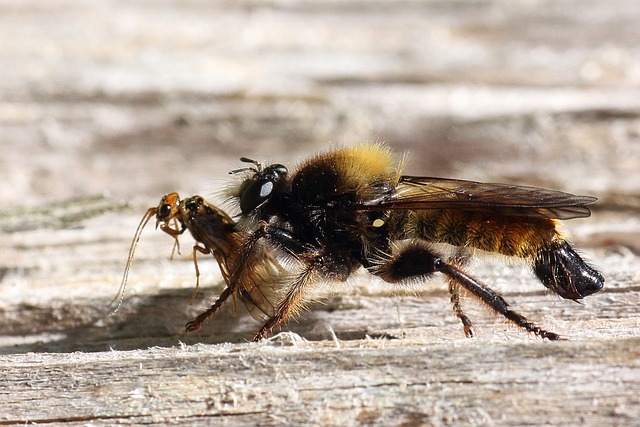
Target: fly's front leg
{"x":200,"y":320}
{"x":292,"y":303}
{"x":294,"y":300}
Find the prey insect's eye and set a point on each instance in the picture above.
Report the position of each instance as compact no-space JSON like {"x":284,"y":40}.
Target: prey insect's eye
{"x":168,"y":207}
{"x":194,"y":204}
{"x":261,"y":187}
{"x":164,"y":211}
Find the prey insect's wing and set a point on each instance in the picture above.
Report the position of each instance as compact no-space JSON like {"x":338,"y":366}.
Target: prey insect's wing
{"x":260,"y":299}
{"x":259,"y":287}
{"x":414,"y":193}
{"x":256,"y":288}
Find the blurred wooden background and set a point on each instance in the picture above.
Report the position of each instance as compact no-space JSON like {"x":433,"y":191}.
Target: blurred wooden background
{"x":108,"y":105}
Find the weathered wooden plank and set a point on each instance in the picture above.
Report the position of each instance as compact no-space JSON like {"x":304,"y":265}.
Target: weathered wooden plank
{"x":377,"y":382}
{"x":396,"y":360}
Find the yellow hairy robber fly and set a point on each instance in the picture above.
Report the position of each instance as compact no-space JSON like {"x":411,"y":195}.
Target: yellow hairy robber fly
{"x":352,"y":207}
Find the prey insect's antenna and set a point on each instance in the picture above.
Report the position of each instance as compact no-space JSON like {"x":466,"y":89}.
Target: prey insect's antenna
{"x":151,"y":212}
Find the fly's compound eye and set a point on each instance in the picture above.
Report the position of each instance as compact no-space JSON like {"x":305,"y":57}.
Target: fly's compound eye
{"x":277,"y":172}
{"x":261,"y":187}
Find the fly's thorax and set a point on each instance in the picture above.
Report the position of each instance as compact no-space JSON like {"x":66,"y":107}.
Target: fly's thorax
{"x":361,"y":171}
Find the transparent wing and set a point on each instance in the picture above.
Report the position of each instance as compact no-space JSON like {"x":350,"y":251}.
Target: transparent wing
{"x":257,"y":287}
{"x":414,"y":193}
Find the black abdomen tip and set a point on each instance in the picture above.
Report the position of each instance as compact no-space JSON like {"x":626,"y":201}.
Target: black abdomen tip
{"x":562,"y":270}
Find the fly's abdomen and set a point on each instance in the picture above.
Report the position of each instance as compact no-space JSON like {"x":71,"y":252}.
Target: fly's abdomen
{"x":510,"y":236}
{"x":537,"y":240}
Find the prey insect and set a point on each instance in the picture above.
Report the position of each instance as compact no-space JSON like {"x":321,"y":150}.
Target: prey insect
{"x":215,"y":233}
{"x":352,"y":207}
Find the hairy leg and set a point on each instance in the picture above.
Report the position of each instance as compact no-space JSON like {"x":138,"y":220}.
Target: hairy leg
{"x":292,"y":304}
{"x":418,"y":261}
{"x":232,"y":284}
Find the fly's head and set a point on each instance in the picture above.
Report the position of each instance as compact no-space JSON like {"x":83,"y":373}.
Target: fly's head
{"x":260,"y":185}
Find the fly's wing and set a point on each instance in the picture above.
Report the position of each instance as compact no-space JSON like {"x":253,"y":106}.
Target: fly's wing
{"x":415,"y":193}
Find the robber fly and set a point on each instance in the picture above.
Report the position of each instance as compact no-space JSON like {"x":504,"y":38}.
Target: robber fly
{"x":215,"y":233}
{"x":351,"y":207}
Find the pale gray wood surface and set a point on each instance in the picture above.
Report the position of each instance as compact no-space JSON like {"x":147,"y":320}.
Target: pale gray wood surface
{"x":108,"y":105}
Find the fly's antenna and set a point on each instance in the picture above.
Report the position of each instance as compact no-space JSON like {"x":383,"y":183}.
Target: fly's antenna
{"x":257,"y":167}
{"x":136,"y":238}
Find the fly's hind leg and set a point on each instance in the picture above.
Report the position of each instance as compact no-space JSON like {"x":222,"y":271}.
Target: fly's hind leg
{"x":419,"y":261}
{"x":493,"y":300}
{"x":454,"y":292}
{"x":459,"y":260}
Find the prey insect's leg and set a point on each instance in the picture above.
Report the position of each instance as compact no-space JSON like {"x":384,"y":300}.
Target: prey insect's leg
{"x":233,"y":281}
{"x":174,"y":231}
{"x":203,"y":250}
{"x":419,"y":261}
